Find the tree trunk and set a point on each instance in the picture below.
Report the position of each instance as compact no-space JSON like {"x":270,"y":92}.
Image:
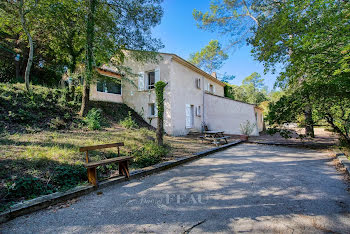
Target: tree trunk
{"x":85,"y":99}
{"x":309,"y":123}
{"x":160,"y":130}
{"x":90,"y":24}
{"x":17,"y":70}
{"x":31,"y":46}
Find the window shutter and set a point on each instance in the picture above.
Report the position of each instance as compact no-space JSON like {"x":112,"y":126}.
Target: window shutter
{"x":188,"y":116}
{"x":141,"y":81}
{"x":198,"y":110}
{"x":208,"y":88}
{"x":213,"y":88}
{"x":155,"y":110}
{"x":156,"y":75}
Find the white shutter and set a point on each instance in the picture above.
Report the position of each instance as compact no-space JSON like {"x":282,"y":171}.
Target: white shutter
{"x":188,"y":116}
{"x":155,"y":110}
{"x":141,"y":81}
{"x":213,"y":88}
{"x":198,"y":110}
{"x":208,"y":88}
{"x":156,"y":75}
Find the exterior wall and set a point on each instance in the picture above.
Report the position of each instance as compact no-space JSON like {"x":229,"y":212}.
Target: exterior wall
{"x":260,"y":119}
{"x":105,"y":97}
{"x":219,"y":90}
{"x":139,"y":100}
{"x":223,"y":114}
{"x":184,"y":91}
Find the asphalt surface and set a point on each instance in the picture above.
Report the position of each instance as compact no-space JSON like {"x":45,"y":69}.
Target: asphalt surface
{"x":247,"y":188}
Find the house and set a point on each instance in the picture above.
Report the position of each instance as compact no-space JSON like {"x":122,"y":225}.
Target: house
{"x":192,"y":97}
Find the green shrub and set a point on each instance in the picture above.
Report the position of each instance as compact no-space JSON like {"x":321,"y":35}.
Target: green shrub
{"x":94,"y":119}
{"x":128,"y":122}
{"x":57,"y":123}
{"x":67,"y":177}
{"x":150,"y":154}
{"x":26,"y":187}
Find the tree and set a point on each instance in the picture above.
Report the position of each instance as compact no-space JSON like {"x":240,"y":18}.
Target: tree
{"x":317,"y":35}
{"x":120,"y":26}
{"x":25,"y":7}
{"x":90,"y":33}
{"x":210,"y":58}
{"x":159,"y":87}
{"x":234,"y":18}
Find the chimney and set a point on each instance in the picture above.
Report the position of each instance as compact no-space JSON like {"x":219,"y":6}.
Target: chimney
{"x":214,"y":74}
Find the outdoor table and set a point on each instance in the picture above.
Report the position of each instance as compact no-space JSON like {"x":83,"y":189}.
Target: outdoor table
{"x":215,"y":136}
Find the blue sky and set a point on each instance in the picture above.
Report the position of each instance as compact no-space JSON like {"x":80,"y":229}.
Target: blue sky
{"x":180,"y":35}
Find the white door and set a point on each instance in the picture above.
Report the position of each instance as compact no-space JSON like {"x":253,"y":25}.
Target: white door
{"x":189,"y":116}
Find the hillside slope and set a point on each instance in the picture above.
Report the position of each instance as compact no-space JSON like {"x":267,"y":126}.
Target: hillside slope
{"x":48,"y":108}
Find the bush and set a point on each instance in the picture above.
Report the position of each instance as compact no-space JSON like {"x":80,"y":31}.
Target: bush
{"x":57,"y":123}
{"x":247,"y":128}
{"x":149,"y":155}
{"x":128,"y":122}
{"x":69,"y":176}
{"x":94,"y":119}
{"x":26,"y":187}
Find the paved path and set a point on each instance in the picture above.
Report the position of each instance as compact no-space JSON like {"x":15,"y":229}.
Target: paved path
{"x":247,"y":188}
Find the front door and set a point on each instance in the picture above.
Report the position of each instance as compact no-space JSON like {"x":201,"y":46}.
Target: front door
{"x":189,"y":116}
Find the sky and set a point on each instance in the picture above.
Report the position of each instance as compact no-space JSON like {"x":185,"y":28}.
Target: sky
{"x":180,"y":35}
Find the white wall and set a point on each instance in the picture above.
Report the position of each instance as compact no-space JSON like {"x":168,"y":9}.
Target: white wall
{"x":139,"y":100}
{"x":184,"y":91}
{"x":219,"y":90}
{"x":102,"y":96}
{"x":223,"y":114}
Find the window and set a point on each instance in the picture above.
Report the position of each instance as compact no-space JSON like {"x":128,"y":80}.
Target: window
{"x":151,"y":110}
{"x":198,"y":83}
{"x":198,"y":111}
{"x":151,"y":79}
{"x":211,"y":88}
{"x":109,"y":87}
{"x":148,"y":79}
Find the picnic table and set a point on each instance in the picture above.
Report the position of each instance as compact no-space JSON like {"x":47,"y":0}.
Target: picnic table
{"x":214,"y":136}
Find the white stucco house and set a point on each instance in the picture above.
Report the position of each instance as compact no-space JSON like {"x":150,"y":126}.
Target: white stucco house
{"x":192,"y":97}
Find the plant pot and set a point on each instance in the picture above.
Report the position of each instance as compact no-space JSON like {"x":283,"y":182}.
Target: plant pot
{"x":243,"y":137}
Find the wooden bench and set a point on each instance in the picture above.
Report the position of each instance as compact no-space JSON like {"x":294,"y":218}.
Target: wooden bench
{"x":91,"y":166}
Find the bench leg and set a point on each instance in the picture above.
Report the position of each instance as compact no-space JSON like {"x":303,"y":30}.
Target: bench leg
{"x":124,"y":169}
{"x":92,"y":176}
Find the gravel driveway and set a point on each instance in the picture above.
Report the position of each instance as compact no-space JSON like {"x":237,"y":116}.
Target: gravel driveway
{"x":247,"y":188}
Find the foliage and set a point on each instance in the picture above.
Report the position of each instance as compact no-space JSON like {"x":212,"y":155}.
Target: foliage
{"x":159,"y":87}
{"x":25,"y":187}
{"x":285,"y":133}
{"x":67,"y":176}
{"x":247,"y":128}
{"x":57,"y":123}
{"x":128,"y":122}
{"x":251,"y":91}
{"x":235,"y":19}
{"x":94,"y":119}
{"x":150,"y":154}
{"x":41,"y":109}
{"x":210,"y":58}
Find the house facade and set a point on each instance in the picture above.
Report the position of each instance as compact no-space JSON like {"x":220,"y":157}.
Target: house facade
{"x":192,"y":97}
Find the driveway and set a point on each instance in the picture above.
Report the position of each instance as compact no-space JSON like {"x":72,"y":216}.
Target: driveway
{"x":247,"y":188}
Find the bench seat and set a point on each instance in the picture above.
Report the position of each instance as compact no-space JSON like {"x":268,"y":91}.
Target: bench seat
{"x":107,"y":161}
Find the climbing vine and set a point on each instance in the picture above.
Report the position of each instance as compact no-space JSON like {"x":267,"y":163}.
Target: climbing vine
{"x":159,"y":88}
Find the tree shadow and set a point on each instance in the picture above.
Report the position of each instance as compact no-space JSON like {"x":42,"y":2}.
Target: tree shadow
{"x":247,"y":183}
